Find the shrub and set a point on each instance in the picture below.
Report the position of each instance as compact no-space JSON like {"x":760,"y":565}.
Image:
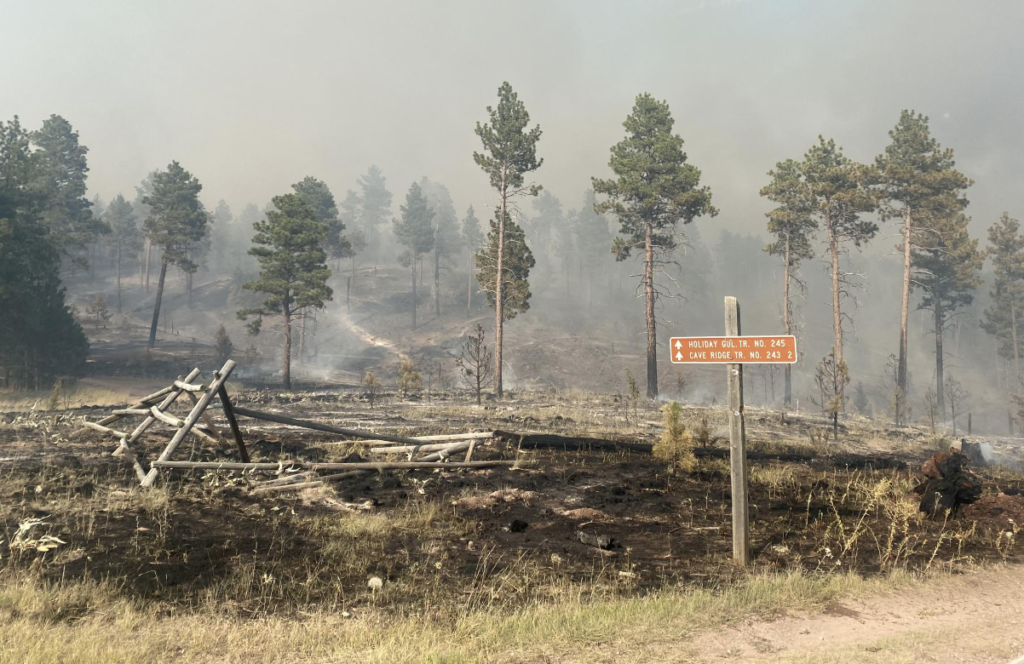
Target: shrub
{"x":675,"y":444}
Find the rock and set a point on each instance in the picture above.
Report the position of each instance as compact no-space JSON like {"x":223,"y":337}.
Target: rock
{"x":598,"y":540}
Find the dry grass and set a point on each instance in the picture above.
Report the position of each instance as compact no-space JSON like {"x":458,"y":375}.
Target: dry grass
{"x":83,"y":623}
{"x":64,"y":398}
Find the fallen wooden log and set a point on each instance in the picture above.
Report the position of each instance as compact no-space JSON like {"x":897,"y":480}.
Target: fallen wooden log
{"x":482,"y":435}
{"x":443,"y":454}
{"x":368,"y":465}
{"x":320,"y":481}
{"x":102,"y":429}
{"x":549,"y":441}
{"x":316,"y":426}
{"x":414,"y":449}
{"x":125,"y":412}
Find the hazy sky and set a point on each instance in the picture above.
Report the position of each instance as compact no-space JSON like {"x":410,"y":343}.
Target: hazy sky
{"x":252,"y":96}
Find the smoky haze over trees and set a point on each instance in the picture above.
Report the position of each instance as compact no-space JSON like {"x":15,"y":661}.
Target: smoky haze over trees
{"x":870,"y":249}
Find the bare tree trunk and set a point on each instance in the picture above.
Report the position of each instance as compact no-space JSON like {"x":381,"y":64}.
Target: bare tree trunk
{"x":1016,"y":352}
{"x":837,"y":315}
{"x":901,"y":371}
{"x":499,"y":296}
{"x":787,"y":323}
{"x":437,"y":283}
{"x":469,"y":285}
{"x":302,"y":336}
{"x":940,"y":389}
{"x":188,"y":286}
{"x":652,"y":335}
{"x":149,"y":251}
{"x":286,"y":372}
{"x":156,"y":307}
{"x":118,"y":277}
{"x":414,"y":293}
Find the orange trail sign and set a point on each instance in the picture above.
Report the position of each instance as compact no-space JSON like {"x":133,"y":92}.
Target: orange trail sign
{"x":733,"y":350}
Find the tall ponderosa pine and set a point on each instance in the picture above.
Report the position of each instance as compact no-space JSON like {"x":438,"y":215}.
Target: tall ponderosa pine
{"x":349,"y":213}
{"x":447,"y":240}
{"x":473,"y":239}
{"x":836,"y":196}
{"x":317,"y":195}
{"x":655,"y":188}
{"x":39,"y":338}
{"x":516,"y":262}
{"x":289,"y":246}
{"x":376,"y":207}
{"x":416,"y":233}
{"x":124,"y":235}
{"x":792,"y":226}
{"x":510,"y":152}
{"x":918,"y":184}
{"x":176,"y":222}
{"x":593,"y":240}
{"x":1006,"y":249}
{"x":59,"y":171}
{"x":946,"y":263}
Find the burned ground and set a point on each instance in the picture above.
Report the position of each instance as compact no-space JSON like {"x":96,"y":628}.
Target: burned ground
{"x":506,"y":536}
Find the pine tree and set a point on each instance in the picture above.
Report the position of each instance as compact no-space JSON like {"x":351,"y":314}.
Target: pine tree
{"x":917,"y":183}
{"x":142,"y":210}
{"x":376,"y":208}
{"x":593,"y":240}
{"x":836,"y":194}
{"x":946,"y":263}
{"x":317,"y":195}
{"x":1006,"y":249}
{"x":792,"y":225}
{"x":350,"y":211}
{"x":654,"y":189}
{"x":415,"y":232}
{"x":176,"y":222}
{"x":289,"y":246}
{"x":59,"y":169}
{"x":447,"y":240}
{"x":510,"y":152}
{"x":473,"y":239}
{"x":124,"y":234}
{"x":39,"y":337}
{"x":222,"y":234}
{"x":516,"y":263}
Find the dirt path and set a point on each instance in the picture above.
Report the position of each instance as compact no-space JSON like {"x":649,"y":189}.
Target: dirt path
{"x":970,"y":618}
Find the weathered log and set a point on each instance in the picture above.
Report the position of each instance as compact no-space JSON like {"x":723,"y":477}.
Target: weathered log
{"x":369,"y":465}
{"x":125,"y":412}
{"x":210,"y":426}
{"x":166,"y":418}
{"x":442,"y":454}
{"x":229,"y":413}
{"x":547,"y":441}
{"x":128,"y":454}
{"x":415,"y":449}
{"x":320,"y":481}
{"x":102,"y":429}
{"x":188,"y":387}
{"x":219,"y":378}
{"x":482,"y":435}
{"x":143,"y":402}
{"x":316,"y":426}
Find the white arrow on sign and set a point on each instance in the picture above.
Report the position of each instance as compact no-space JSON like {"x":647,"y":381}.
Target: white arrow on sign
{"x":679,"y":344}
{"x":679,"y":356}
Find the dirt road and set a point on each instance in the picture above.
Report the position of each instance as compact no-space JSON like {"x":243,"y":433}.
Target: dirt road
{"x":967,"y":618}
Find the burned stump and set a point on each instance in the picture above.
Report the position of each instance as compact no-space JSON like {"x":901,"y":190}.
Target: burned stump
{"x":949,"y":484}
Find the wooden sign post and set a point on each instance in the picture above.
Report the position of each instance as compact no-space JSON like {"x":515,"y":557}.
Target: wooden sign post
{"x":735,"y":350}
{"x":737,"y":445}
